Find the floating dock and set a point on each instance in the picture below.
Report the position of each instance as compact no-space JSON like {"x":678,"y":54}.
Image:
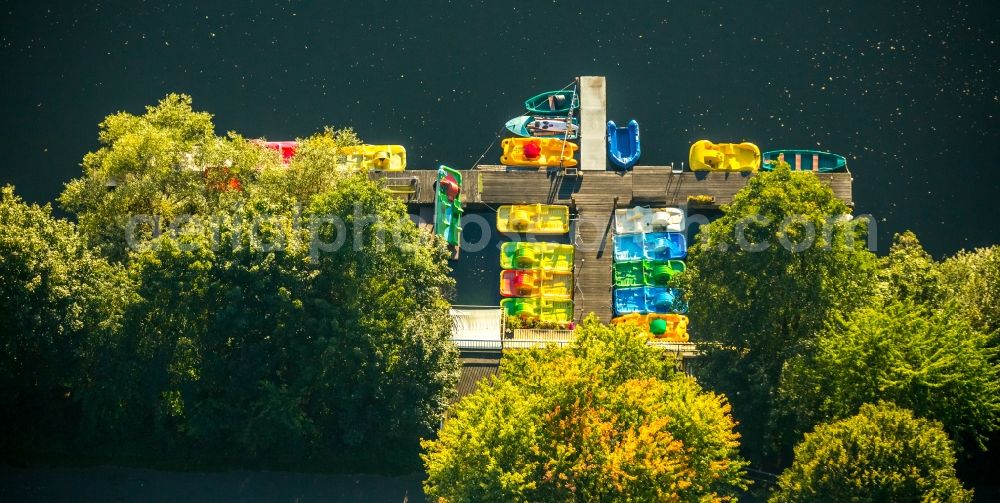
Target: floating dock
{"x":593,"y":197}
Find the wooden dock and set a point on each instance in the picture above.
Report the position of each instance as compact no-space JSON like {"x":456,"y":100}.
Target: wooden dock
{"x":593,"y":196}
{"x":490,"y":185}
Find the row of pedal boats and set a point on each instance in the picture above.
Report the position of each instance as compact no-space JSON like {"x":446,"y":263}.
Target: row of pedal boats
{"x":549,"y":123}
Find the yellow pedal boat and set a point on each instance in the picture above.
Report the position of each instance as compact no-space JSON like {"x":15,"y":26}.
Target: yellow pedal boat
{"x":708,"y":156}
{"x":533,"y":218}
{"x":553,"y":311}
{"x":537,"y":152}
{"x":545,"y":256}
{"x":374,"y":157}
{"x":667,"y":327}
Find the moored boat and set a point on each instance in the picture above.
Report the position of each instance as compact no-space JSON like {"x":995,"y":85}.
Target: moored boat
{"x":538,"y":152}
{"x":551,"y":311}
{"x":533,"y":218}
{"x":448,"y":205}
{"x":667,"y":327}
{"x":374,"y":157}
{"x":552,"y":102}
{"x":623,"y":144}
{"x":556,"y":285}
{"x":664,"y":246}
{"x":708,"y":156}
{"x":638,"y":220}
{"x":804,"y":160}
{"x":545,"y":256}
{"x":544,"y":127}
{"x":661,"y":272}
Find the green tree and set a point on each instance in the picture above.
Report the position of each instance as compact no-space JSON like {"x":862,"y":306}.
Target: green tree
{"x":155,"y":168}
{"x":881,"y":454}
{"x":257,"y":342}
{"x":58,"y":304}
{"x":909,"y":272}
{"x":972,"y":280}
{"x":313,"y":170}
{"x":763,"y":280}
{"x":932,"y":363}
{"x":607,"y":419}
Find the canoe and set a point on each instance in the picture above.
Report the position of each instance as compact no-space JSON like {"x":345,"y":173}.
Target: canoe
{"x":533,"y":218}
{"x":666,"y":327}
{"x":448,"y":205}
{"x":659,"y":273}
{"x":708,"y":156}
{"x":554,"y":285}
{"x":639,"y":220}
{"x":547,"y":152}
{"x":544,"y":127}
{"x":628,"y":247}
{"x":628,"y":274}
{"x":545,"y":256}
{"x":560,"y":104}
{"x":553,"y":311}
{"x":664,"y":246}
{"x":804,"y":160}
{"x":284,"y":148}
{"x":373,"y":157}
{"x":623,"y":144}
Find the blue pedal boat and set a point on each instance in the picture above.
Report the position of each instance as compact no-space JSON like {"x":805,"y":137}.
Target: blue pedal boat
{"x":628,"y":247}
{"x":629,"y":300}
{"x":623,"y":144}
{"x":664,"y":246}
{"x":663,"y":300}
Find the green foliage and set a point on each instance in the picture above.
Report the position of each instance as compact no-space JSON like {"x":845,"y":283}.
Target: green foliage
{"x":932,"y":363}
{"x":881,"y":454}
{"x":260,"y":345}
{"x":909,"y":272}
{"x":972,"y":280}
{"x":606,"y":419}
{"x":313,"y":169}
{"x":155,"y":168}
{"x":58,"y":304}
{"x":762,"y":306}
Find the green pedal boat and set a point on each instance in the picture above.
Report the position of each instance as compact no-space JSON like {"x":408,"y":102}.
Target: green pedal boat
{"x":545,"y":256}
{"x":448,"y":205}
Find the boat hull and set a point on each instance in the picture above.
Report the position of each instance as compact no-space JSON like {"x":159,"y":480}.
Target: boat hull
{"x":544,"y":127}
{"x":533,"y":219}
{"x":554,"y":285}
{"x":564,"y":102}
{"x":624,"y":147}
{"x":373,"y":158}
{"x":804,"y":160}
{"x":553,"y":152}
{"x":448,"y":205}
{"x":707,"y":156}
{"x":545,"y":256}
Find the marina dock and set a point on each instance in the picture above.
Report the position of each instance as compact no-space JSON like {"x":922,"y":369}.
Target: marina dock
{"x":592,"y":197}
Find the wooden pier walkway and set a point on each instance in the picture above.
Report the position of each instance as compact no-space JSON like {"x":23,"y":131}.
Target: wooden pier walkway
{"x":593,"y":196}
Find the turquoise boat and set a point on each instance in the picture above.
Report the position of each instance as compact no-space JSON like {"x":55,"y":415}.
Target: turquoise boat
{"x":544,"y":127}
{"x":448,"y":205}
{"x":561,"y":103}
{"x":804,"y":160}
{"x":664,"y":246}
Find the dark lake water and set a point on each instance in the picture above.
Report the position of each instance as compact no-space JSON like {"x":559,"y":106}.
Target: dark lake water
{"x":908,"y":91}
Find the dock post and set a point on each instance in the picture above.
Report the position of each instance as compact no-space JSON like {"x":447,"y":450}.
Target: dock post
{"x":593,"y":124}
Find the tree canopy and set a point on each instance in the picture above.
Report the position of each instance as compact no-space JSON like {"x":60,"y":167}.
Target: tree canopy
{"x":59,"y":303}
{"x":261,"y":338}
{"x":932,"y":362}
{"x":606,"y":419}
{"x":883,"y":453}
{"x":155,"y":168}
{"x":764,"y":279}
{"x":972,"y":280}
